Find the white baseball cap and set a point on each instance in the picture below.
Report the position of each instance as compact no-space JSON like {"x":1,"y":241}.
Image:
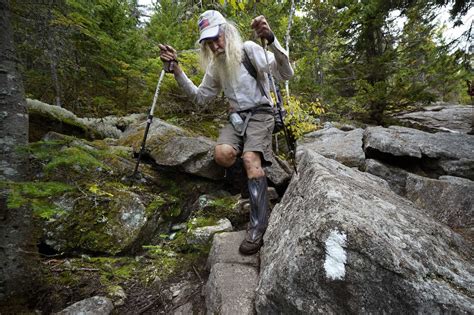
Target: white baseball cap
{"x":209,"y":23}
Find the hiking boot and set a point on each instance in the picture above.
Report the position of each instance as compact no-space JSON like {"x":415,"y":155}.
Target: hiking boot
{"x":258,"y":216}
{"x":252,"y":243}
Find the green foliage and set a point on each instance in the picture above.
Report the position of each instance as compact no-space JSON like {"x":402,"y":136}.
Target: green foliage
{"x":114,"y":271}
{"x":43,"y":150}
{"x":360,"y":66}
{"x":211,"y":209}
{"x":199,"y":126}
{"x":156,"y":204}
{"x":349,"y":55}
{"x":76,"y":159}
{"x":167,"y":261}
{"x":95,"y":48}
{"x":173,"y":24}
{"x":201,"y":222}
{"x":224,"y":203}
{"x":426,"y":69}
{"x":157,"y":250}
{"x":38,"y":195}
{"x":300,"y":118}
{"x":94,"y":188}
{"x":168,"y":105}
{"x":70,"y":159}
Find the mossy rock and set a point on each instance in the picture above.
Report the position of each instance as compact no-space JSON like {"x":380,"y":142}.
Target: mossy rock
{"x":159,"y":129}
{"x":176,"y":148}
{"x":208,"y":128}
{"x":208,"y":209}
{"x":68,"y":159}
{"x":39,"y":196}
{"x":107,"y":220}
{"x":192,"y":155}
{"x":85,"y":207}
{"x":44,"y":118}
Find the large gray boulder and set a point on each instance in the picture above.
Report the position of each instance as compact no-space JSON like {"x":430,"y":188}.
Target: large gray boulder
{"x":437,"y":154}
{"x":342,"y":146}
{"x":193,"y":155}
{"x":449,"y":200}
{"x":174,"y":147}
{"x":396,"y":177}
{"x":441,"y":117}
{"x":82,"y":203}
{"x":158,"y":128}
{"x":280,"y":172}
{"x":113,"y":126}
{"x":341,"y":241}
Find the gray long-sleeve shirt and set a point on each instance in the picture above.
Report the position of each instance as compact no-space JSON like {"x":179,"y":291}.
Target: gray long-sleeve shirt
{"x":244,"y":93}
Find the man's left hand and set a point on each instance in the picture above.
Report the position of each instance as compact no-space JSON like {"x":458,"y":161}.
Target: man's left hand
{"x":262,"y":29}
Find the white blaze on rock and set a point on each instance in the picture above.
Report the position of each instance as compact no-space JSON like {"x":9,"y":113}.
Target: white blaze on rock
{"x":334,"y":265}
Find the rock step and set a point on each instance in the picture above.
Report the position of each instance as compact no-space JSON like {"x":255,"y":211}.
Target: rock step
{"x":225,"y":249}
{"x":233,"y":277}
{"x":231,"y":289}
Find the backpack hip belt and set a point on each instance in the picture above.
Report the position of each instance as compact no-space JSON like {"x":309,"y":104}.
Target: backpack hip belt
{"x":259,"y":109}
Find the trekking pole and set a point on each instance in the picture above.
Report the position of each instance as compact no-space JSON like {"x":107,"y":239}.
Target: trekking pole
{"x":148,"y":122}
{"x":289,"y":142}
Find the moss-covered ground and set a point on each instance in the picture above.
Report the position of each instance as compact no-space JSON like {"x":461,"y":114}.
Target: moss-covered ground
{"x":72,"y":279}
{"x":74,"y":185}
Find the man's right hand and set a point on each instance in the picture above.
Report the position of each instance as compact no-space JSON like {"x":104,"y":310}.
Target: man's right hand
{"x":262,"y":29}
{"x":169,"y":57}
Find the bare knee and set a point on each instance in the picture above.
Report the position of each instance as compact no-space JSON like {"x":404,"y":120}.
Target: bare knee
{"x":253,"y":164}
{"x":225,"y":155}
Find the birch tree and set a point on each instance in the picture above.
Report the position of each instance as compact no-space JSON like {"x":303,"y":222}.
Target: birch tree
{"x":287,"y":43}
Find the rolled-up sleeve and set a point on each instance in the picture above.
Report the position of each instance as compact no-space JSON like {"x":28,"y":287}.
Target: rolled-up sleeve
{"x":207,"y":90}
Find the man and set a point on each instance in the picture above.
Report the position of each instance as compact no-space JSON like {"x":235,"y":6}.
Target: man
{"x":470,"y":92}
{"x":222,"y":54}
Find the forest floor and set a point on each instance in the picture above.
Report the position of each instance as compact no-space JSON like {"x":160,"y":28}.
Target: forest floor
{"x":130,"y":282}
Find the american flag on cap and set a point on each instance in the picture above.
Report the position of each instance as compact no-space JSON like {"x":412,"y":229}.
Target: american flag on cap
{"x":209,"y":23}
{"x":203,"y":23}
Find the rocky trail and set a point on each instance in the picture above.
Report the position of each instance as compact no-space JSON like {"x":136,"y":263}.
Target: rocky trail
{"x":376,"y":220}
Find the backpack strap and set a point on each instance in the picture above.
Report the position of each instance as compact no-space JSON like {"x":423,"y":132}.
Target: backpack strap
{"x":260,"y":109}
{"x":248,"y":65}
{"x":252,"y":71}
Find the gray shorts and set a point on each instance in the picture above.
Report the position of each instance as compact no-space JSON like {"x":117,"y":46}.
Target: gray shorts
{"x":257,"y":137}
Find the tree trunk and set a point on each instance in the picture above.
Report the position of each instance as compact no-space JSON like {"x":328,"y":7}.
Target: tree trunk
{"x":17,"y":249}
{"x":287,"y":44}
{"x":373,"y":37}
{"x":126,"y":94}
{"x":53,"y":59}
{"x":54,"y":76}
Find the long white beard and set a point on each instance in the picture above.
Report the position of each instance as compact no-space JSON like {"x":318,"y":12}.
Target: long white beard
{"x":227,"y":71}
